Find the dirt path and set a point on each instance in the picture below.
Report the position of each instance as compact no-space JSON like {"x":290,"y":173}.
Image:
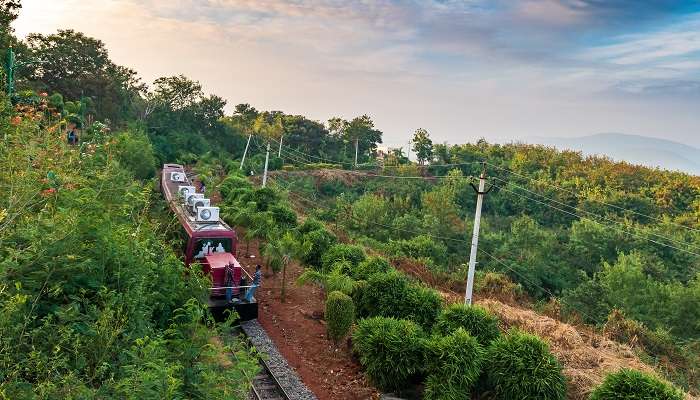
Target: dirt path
{"x":299,"y":332}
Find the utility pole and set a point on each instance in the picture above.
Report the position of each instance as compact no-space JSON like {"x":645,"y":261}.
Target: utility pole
{"x":10,"y":71}
{"x":475,"y":235}
{"x":267,"y":158}
{"x":279,"y":151}
{"x":250,"y":135}
{"x":357,"y":141}
{"x":408,"y":153}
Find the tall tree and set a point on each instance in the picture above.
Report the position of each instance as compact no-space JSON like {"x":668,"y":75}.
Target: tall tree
{"x":360,"y":132}
{"x":9,"y":11}
{"x":422,"y":146}
{"x":76,"y":65}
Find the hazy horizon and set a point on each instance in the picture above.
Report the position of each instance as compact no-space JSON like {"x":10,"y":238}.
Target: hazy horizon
{"x":462,"y":70}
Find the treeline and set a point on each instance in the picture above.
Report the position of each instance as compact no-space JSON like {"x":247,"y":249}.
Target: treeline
{"x":183,"y":123}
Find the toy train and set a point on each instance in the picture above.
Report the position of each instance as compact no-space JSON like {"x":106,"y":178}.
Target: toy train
{"x":211,"y":243}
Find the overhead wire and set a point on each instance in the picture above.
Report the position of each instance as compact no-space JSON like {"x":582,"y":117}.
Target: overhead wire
{"x":496,"y":259}
{"x":592,"y":213}
{"x":595,"y":200}
{"x":430,"y":178}
{"x":596,"y":222}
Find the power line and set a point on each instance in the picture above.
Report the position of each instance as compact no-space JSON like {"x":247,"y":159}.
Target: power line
{"x":523,"y":177}
{"x":497,"y":260}
{"x":548,"y":184}
{"x":563,"y":211}
{"x":596,"y":222}
{"x":307,"y":155}
{"x":593,"y":214}
{"x":595,"y":200}
{"x":373,"y":175}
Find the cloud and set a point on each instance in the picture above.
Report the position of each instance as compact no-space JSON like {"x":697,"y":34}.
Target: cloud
{"x":529,"y":66}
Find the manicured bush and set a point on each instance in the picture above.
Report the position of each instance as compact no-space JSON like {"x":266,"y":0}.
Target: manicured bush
{"x":454,"y":365}
{"x":474,"y":319}
{"x":393,"y":294}
{"x":391,"y":351}
{"x":342,"y":252}
{"x":340,"y":314}
{"x":520,"y":366}
{"x":629,"y":384}
{"x":423,"y":305}
{"x":369,"y":267}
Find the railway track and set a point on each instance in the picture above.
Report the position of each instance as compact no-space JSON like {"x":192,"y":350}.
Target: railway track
{"x":276,"y":380}
{"x":266,"y":387}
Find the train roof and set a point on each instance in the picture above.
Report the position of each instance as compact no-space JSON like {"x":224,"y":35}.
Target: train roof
{"x":192,"y":227}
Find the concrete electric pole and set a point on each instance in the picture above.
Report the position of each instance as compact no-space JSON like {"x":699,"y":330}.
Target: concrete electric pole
{"x":267,"y":158}
{"x":475,"y":235}
{"x":246,"y":150}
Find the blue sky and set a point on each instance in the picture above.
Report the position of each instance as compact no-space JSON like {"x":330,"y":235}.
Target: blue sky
{"x":504,"y":70}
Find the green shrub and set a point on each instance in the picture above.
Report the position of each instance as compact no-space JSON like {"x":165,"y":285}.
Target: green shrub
{"x":421,"y":246}
{"x":135,"y":153}
{"x":340,"y":314}
{"x":392,"y":294}
{"x":331,"y":282}
{"x":265,"y":198}
{"x":391,"y":351}
{"x":237,"y":195}
{"x":284,"y":216}
{"x":321,"y":240}
{"x":342,"y":252}
{"x":629,"y":384}
{"x":423,"y":305}
{"x":309,"y":225}
{"x":454,"y":365}
{"x":520,"y":366}
{"x":369,"y":267}
{"x":476,"y":320}
{"x":232,"y":182}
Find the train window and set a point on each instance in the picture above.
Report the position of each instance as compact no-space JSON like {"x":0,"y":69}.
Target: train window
{"x":214,"y":245}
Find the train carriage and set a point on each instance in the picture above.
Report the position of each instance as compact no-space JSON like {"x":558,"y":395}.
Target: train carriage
{"x":211,"y":244}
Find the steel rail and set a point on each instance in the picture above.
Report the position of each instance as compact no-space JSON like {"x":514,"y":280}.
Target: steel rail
{"x":267,"y":370}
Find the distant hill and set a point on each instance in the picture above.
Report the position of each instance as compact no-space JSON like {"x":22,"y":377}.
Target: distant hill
{"x":635,"y":149}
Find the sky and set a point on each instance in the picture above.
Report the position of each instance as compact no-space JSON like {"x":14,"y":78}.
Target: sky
{"x":504,"y":70}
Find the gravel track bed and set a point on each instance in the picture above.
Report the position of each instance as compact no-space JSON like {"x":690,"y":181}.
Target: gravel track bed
{"x":285,"y":374}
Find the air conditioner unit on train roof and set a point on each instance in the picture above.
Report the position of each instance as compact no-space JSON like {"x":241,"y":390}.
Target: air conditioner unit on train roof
{"x":201,"y":203}
{"x":183,"y":191}
{"x":207,"y":214}
{"x":191,"y":197}
{"x":178,"y":177}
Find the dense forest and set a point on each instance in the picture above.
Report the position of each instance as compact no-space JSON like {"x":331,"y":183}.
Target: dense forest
{"x":95,"y":303}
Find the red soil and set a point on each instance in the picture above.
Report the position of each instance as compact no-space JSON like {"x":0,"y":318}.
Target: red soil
{"x":299,"y":332}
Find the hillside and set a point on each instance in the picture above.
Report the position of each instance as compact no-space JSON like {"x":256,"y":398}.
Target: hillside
{"x":587,"y":279}
{"x":635,"y":149}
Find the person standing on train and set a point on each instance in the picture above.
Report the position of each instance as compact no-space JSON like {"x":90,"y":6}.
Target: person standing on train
{"x":257,"y":280}
{"x":228,"y":282}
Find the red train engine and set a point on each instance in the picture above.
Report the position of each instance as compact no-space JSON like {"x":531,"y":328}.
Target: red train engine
{"x":211,"y":243}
